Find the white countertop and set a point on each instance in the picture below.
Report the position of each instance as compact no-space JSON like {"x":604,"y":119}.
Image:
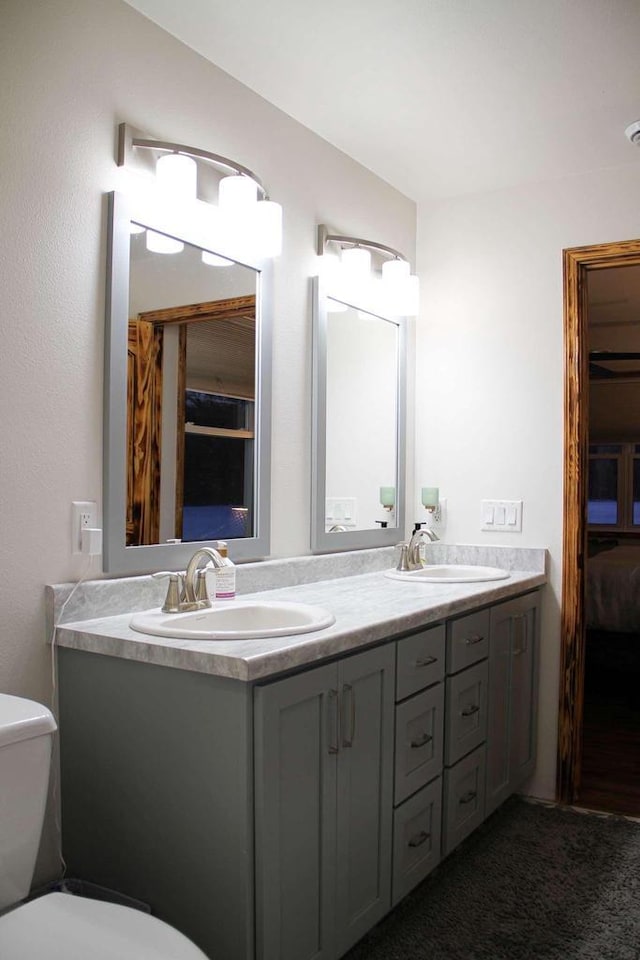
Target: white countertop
{"x":368,"y":608}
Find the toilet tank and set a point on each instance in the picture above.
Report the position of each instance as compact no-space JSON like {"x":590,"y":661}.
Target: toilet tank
{"x":26,"y":730}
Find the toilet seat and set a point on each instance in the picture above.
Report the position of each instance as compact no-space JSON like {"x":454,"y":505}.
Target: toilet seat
{"x":59,"y":926}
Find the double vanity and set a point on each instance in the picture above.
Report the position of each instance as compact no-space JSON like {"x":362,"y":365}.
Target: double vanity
{"x":274,"y":798}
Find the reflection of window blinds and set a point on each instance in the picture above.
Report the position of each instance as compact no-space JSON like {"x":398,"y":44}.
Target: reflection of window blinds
{"x":221,"y":357}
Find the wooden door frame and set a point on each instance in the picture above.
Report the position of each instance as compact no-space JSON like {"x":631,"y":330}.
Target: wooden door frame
{"x":145,"y":412}
{"x":578,"y":261}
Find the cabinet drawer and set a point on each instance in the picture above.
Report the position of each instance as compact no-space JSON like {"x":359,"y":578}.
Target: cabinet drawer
{"x":467,"y":640}
{"x":420,"y":661}
{"x":416,"y":839}
{"x":419,"y":741}
{"x":463,"y":799}
{"x":466,"y":722}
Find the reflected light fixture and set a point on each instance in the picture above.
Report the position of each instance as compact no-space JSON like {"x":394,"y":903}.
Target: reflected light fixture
{"x":352,"y":278}
{"x":246,"y":215}
{"x":388,"y":497}
{"x":160,"y":243}
{"x":336,"y":306}
{"x":213,"y":260}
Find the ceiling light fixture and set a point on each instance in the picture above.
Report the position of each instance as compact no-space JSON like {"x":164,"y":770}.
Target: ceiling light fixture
{"x":395,"y":289}
{"x":246,"y":214}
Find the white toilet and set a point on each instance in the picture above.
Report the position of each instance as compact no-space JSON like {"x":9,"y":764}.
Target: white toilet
{"x":57,"y":926}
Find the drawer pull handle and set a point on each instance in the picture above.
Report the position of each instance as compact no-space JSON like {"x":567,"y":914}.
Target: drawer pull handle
{"x":419,"y":839}
{"x":468,"y":796}
{"x":426,"y":661}
{"x":421,"y":741}
{"x":519,"y":635}
{"x":476,"y":638}
{"x":469,"y":711}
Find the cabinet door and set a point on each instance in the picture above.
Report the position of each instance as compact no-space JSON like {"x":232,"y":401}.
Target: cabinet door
{"x":513,"y":697}
{"x":365,"y":793}
{"x":296,"y":743}
{"x":524,"y":691}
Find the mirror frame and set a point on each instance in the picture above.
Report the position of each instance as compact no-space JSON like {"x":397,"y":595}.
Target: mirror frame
{"x":117,"y":556}
{"x":321,"y":540}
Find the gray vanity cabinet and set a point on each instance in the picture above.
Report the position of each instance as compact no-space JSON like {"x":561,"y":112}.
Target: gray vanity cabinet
{"x":513,"y":696}
{"x":324,"y":801}
{"x":279,"y":820}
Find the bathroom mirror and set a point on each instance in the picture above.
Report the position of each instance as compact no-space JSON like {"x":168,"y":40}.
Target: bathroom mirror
{"x":358,"y":454}
{"x":187,"y":392}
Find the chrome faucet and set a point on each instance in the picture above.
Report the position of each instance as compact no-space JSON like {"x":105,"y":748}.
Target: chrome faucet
{"x":189,"y":592}
{"x":413,"y":552}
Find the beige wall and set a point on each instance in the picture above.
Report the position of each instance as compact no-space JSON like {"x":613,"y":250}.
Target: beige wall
{"x":489,"y":389}
{"x":70,"y":71}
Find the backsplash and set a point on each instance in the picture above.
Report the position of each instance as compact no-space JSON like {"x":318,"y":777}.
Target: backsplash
{"x":103,"y":598}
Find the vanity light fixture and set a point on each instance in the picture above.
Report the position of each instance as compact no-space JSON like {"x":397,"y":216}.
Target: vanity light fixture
{"x":244,"y":209}
{"x":357,"y":261}
{"x":388,"y":497}
{"x":430,"y":497}
{"x":353,"y":278}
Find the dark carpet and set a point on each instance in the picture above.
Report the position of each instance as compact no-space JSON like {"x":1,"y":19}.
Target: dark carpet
{"x":533,"y":882}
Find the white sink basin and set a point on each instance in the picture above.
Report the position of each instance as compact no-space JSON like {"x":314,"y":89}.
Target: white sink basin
{"x":235,"y":620}
{"x":449,"y":573}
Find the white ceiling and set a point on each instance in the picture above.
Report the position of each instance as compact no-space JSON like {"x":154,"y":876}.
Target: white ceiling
{"x":438,"y":97}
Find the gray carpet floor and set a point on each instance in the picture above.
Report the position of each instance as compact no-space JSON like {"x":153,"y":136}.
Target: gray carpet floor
{"x":533,"y":882}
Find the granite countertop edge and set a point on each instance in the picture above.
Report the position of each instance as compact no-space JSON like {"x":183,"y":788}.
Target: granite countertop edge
{"x":368,"y":608}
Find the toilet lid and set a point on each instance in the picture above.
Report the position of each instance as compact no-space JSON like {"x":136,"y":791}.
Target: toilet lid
{"x":60,"y":926}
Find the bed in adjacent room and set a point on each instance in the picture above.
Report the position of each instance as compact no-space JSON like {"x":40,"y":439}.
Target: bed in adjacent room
{"x":613,"y":588}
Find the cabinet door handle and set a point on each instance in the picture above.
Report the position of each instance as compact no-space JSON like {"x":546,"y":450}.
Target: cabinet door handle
{"x":519,"y":634}
{"x":468,"y":796}
{"x":419,"y":839}
{"x":421,"y":741}
{"x":426,"y":661}
{"x":348,"y":694}
{"x":469,"y":711}
{"x":475,"y":638}
{"x":333,"y":720}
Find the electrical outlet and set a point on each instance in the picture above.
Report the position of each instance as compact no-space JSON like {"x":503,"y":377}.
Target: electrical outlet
{"x":84,"y":514}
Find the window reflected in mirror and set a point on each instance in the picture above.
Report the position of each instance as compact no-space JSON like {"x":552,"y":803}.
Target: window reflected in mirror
{"x":191,"y":395}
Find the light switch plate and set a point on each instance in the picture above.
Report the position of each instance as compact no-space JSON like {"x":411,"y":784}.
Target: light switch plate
{"x":501,"y":516}
{"x":341,"y":511}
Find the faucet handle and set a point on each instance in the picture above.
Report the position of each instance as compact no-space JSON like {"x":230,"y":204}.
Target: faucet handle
{"x":403,"y":562}
{"x":174,"y":590}
{"x":202,"y":594}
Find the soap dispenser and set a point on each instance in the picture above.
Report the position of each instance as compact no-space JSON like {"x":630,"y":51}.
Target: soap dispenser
{"x":226,"y":574}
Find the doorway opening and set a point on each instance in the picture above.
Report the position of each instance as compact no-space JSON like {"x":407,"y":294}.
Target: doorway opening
{"x":587,"y":517}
